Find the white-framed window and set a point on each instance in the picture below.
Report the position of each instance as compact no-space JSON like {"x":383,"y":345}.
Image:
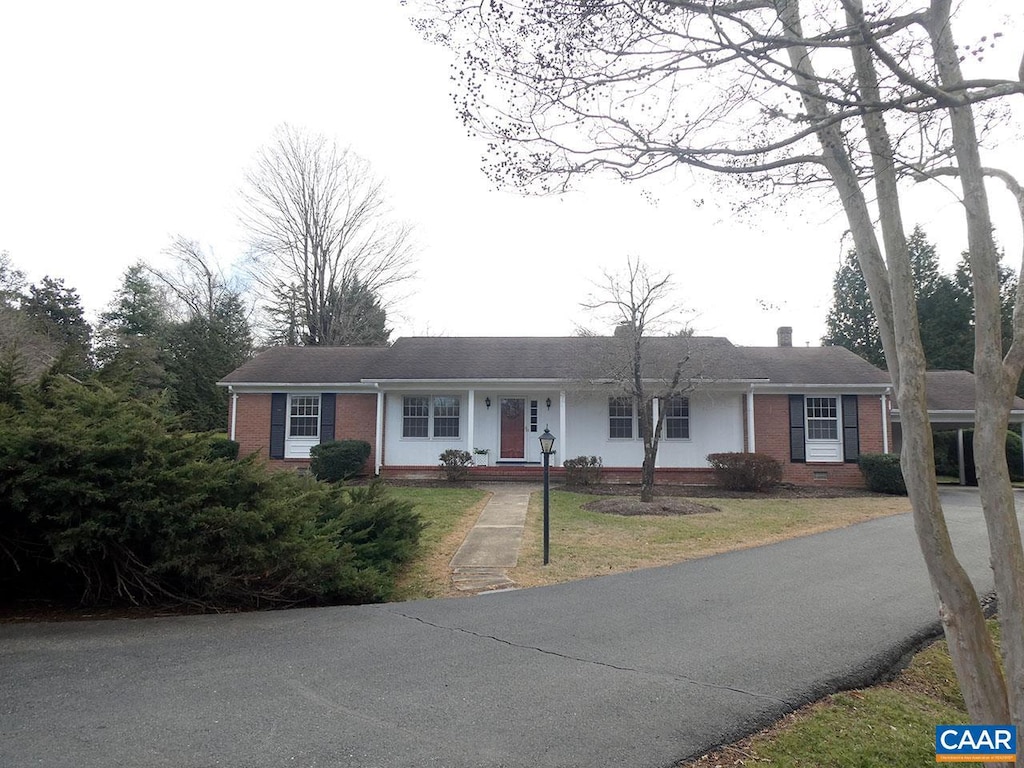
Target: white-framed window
{"x":677,"y":418}
{"x":620,"y":417}
{"x":822,"y":418}
{"x":416,"y":416}
{"x":446,"y":416}
{"x":304,"y":416}
{"x":425,"y":416}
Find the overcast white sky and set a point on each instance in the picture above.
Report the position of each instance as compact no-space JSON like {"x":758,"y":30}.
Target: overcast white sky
{"x":126,"y":123}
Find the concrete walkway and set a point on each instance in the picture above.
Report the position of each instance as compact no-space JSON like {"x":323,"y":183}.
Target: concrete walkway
{"x":492,"y":546}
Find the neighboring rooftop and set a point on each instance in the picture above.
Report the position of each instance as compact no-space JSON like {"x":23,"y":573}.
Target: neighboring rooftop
{"x":954,"y":391}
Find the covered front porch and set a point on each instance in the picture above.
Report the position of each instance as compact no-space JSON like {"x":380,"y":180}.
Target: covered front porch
{"x":500,"y":427}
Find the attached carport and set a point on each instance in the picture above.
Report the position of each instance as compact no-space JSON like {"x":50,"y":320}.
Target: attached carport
{"x":951,"y":407}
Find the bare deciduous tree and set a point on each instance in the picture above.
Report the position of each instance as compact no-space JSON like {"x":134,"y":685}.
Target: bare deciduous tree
{"x":319,"y":221}
{"x":194,"y":281}
{"x":639,"y":304}
{"x":848,"y":97}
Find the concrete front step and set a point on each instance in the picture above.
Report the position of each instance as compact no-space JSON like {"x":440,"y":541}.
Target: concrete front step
{"x":480,"y":579}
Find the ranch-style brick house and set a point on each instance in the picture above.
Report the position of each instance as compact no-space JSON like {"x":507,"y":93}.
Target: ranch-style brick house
{"x":815,"y":409}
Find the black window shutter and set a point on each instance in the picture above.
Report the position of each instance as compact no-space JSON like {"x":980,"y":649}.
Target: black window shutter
{"x":851,"y":433}
{"x":797,"y":448}
{"x":327,"y":417}
{"x":278,"y":417}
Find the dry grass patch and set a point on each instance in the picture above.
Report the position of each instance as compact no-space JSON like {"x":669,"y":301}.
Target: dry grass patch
{"x":450,"y":514}
{"x":586,"y":542}
{"x":892,"y":724}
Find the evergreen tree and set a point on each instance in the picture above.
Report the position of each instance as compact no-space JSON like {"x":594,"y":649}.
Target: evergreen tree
{"x":200,"y":352}
{"x":945,"y":309}
{"x":284,"y":313}
{"x":56,"y":312}
{"x":851,"y":320}
{"x":132,"y":335}
{"x":358,"y":319}
{"x":12,"y":282}
{"x":25,"y":352}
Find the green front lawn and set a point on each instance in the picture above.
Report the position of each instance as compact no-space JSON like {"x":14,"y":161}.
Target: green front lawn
{"x":585,"y":543}
{"x":890,"y":725}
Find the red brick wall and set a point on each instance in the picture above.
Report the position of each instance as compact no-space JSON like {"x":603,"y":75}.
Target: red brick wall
{"x":535,"y":473}
{"x":252,"y":424}
{"x":355,"y":417}
{"x":771,"y":436}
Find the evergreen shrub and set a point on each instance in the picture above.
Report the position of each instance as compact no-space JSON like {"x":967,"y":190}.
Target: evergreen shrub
{"x":745,"y":471}
{"x":456,"y":464}
{"x":338,"y":460}
{"x":222,"y":448}
{"x":882,"y":473}
{"x":583,"y":470}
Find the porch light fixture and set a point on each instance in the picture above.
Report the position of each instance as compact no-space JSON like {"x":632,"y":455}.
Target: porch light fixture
{"x":547,"y":447}
{"x":487,"y":402}
{"x":548,"y":401}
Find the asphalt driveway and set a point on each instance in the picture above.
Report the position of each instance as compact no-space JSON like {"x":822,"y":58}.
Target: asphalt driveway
{"x":638,"y":669}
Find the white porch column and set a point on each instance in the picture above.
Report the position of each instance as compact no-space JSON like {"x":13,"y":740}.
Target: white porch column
{"x":655,"y":415}
{"x":234,"y":410}
{"x":750,"y":421}
{"x":379,"y":438}
{"x":561,"y":429}
{"x":960,"y":456}
{"x":885,"y":425}
{"x":471,"y":422}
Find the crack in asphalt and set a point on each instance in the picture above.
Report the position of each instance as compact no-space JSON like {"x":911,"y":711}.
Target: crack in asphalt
{"x":568,"y":657}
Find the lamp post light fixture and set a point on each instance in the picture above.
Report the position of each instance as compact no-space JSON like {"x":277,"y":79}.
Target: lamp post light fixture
{"x":547,"y":447}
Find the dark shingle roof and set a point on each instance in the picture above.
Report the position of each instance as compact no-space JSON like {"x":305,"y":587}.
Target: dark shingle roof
{"x":950,"y":390}
{"x":561,"y":357}
{"x":558,"y":358}
{"x":307,"y":365}
{"x":954,"y":391}
{"x":810,"y":365}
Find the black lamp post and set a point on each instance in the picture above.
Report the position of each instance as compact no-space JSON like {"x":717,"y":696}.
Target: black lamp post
{"x":547,"y":447}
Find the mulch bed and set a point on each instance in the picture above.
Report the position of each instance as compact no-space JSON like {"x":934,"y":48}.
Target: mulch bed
{"x":631,"y":505}
{"x":781,"y":491}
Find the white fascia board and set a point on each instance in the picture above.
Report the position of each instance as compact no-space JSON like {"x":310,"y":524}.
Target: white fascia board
{"x":460,"y":382}
{"x":846,"y":389}
{"x":283,"y":386}
{"x":954,"y":417}
{"x":513,"y":384}
{"x":461,"y":385}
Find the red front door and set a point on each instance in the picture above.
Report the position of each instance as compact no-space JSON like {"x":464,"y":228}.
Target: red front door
{"x":513,"y":428}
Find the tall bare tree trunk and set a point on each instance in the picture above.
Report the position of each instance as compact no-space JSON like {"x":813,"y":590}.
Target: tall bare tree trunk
{"x":995,"y":382}
{"x":891,"y":287}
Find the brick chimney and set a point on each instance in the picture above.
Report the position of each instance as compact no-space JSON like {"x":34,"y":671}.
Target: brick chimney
{"x":785,"y":336}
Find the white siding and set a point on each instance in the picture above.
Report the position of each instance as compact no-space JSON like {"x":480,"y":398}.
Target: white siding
{"x":716,"y":425}
{"x":419,"y":451}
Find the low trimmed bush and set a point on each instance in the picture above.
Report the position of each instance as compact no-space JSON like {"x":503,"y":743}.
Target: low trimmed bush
{"x":456,"y":464}
{"x":583,"y":470}
{"x":882,"y":473}
{"x":222,"y":448}
{"x":338,"y":460}
{"x":745,"y":471}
